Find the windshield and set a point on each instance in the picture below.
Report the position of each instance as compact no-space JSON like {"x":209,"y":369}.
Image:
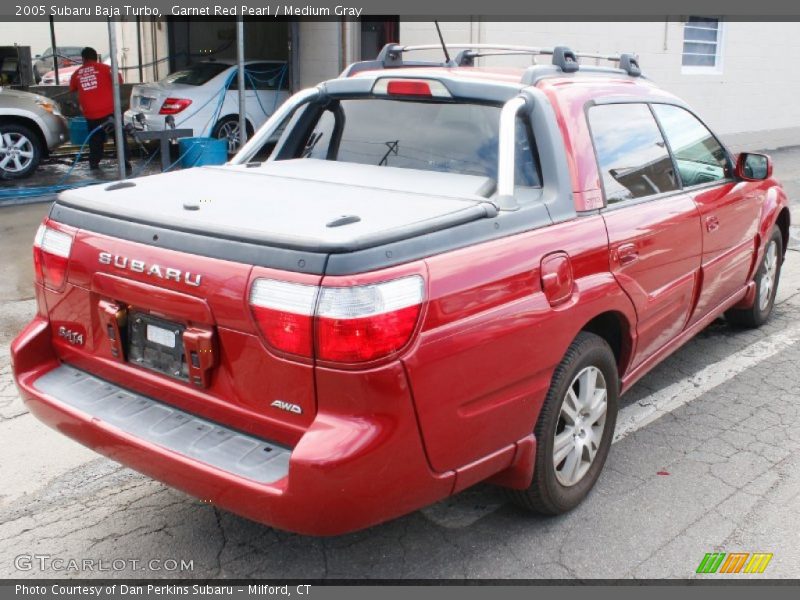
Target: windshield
{"x":197,"y":74}
{"x":432,"y":136}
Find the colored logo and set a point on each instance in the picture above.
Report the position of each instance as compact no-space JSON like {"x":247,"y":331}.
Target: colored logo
{"x":734,"y":562}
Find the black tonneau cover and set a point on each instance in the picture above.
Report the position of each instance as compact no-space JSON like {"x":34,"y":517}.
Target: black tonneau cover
{"x":303,"y":204}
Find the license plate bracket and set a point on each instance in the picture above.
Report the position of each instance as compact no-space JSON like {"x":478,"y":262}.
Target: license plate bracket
{"x":157,"y":344}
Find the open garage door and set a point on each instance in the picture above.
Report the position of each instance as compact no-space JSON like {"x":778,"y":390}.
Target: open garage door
{"x":203,"y":39}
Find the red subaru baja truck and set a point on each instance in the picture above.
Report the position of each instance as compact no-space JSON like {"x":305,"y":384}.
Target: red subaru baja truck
{"x":413,"y":278}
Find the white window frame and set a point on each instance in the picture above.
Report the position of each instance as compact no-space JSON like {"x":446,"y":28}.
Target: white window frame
{"x":718,"y":55}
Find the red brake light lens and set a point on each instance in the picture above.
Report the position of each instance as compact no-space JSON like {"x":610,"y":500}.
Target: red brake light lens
{"x":51,"y":251}
{"x":284,"y":313}
{"x":427,"y":88}
{"x":173,"y":106}
{"x":355,"y":324}
{"x":399,"y":87}
{"x":363,"y":323}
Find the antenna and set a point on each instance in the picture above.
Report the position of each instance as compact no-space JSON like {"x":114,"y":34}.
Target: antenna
{"x":441,"y":39}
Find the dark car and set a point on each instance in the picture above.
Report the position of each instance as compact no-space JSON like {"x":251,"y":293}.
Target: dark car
{"x":67,"y":56}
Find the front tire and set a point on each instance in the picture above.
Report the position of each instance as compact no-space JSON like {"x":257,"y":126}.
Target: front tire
{"x":766,"y":279}
{"x":575,"y":428}
{"x":20,"y":151}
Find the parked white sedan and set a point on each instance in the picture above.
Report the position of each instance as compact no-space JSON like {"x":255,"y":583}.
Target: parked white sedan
{"x":204,"y":98}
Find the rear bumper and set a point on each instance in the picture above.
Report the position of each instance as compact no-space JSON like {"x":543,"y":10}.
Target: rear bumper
{"x":344,"y":474}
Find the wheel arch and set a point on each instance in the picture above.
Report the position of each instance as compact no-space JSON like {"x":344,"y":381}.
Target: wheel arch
{"x":30,"y":124}
{"x":235,"y":116}
{"x":783,"y":222}
{"x":614,"y":328}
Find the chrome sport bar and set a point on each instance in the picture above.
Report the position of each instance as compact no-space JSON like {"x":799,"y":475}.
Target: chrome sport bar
{"x":506,"y":152}
{"x":268,"y":129}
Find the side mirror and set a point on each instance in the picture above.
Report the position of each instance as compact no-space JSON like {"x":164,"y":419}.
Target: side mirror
{"x":753,"y":167}
{"x":38,"y":56}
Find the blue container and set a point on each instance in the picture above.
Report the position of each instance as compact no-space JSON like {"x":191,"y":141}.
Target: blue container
{"x":199,"y":151}
{"x":78,"y":130}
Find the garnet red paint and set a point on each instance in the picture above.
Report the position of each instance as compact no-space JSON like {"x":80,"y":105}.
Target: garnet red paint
{"x":457,"y":404}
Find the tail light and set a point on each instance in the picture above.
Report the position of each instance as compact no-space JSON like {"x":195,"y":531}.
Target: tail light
{"x":362,"y":323}
{"x":51,"y":250}
{"x":284,"y":314}
{"x":355,"y":324}
{"x":172,"y":106}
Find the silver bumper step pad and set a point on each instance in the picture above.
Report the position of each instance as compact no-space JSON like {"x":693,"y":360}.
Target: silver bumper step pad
{"x":166,"y":426}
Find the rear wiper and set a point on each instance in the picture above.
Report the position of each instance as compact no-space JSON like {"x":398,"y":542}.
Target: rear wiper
{"x":392,"y":150}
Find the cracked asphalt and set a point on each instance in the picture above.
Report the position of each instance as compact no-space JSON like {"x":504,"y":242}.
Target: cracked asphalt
{"x":720,"y":473}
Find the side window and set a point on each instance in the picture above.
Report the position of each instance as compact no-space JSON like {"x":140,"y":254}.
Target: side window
{"x":631,"y":153}
{"x":233,"y":84}
{"x":699,"y":156}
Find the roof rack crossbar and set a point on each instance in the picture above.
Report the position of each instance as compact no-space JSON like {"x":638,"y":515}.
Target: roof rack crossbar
{"x":391,"y":56}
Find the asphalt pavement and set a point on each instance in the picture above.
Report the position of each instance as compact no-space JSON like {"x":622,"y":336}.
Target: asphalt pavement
{"x":707,"y":460}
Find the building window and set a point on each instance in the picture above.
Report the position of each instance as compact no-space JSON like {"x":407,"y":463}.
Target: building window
{"x":702,"y":45}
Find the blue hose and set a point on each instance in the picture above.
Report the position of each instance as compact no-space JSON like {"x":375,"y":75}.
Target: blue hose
{"x":281,"y":71}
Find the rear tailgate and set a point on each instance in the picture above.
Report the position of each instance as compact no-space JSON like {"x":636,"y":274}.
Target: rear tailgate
{"x":130,"y":311}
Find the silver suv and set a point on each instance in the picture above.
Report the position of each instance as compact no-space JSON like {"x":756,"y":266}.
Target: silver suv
{"x":30,"y":126}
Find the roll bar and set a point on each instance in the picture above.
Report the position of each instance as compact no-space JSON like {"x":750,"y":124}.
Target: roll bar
{"x":266,"y":131}
{"x":506,"y":152}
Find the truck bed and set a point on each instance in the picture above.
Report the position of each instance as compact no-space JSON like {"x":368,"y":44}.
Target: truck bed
{"x":302,"y":204}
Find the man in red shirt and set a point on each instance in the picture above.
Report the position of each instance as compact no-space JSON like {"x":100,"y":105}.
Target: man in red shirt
{"x":96,"y":96}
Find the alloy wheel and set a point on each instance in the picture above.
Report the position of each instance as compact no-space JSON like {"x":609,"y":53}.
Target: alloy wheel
{"x":230,"y":131}
{"x":16,"y":152}
{"x":767,"y":283}
{"x":581,"y":423}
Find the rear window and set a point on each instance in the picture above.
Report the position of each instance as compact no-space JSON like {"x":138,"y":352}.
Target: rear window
{"x":449,"y":137}
{"x":197,"y":74}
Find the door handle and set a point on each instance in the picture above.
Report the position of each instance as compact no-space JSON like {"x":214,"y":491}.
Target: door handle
{"x":627,"y":254}
{"x":712,"y":224}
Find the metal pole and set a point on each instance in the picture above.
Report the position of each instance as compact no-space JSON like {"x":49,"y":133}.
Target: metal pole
{"x":53,"y":48}
{"x":240,"y":65}
{"x":112,"y":42}
{"x":139,"y":47}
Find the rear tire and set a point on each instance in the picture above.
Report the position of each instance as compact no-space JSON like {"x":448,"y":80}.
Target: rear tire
{"x":20,"y":151}
{"x":570,"y":455}
{"x":766,"y":279}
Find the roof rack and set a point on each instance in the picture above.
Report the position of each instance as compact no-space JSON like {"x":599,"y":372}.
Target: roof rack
{"x":564,"y":58}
